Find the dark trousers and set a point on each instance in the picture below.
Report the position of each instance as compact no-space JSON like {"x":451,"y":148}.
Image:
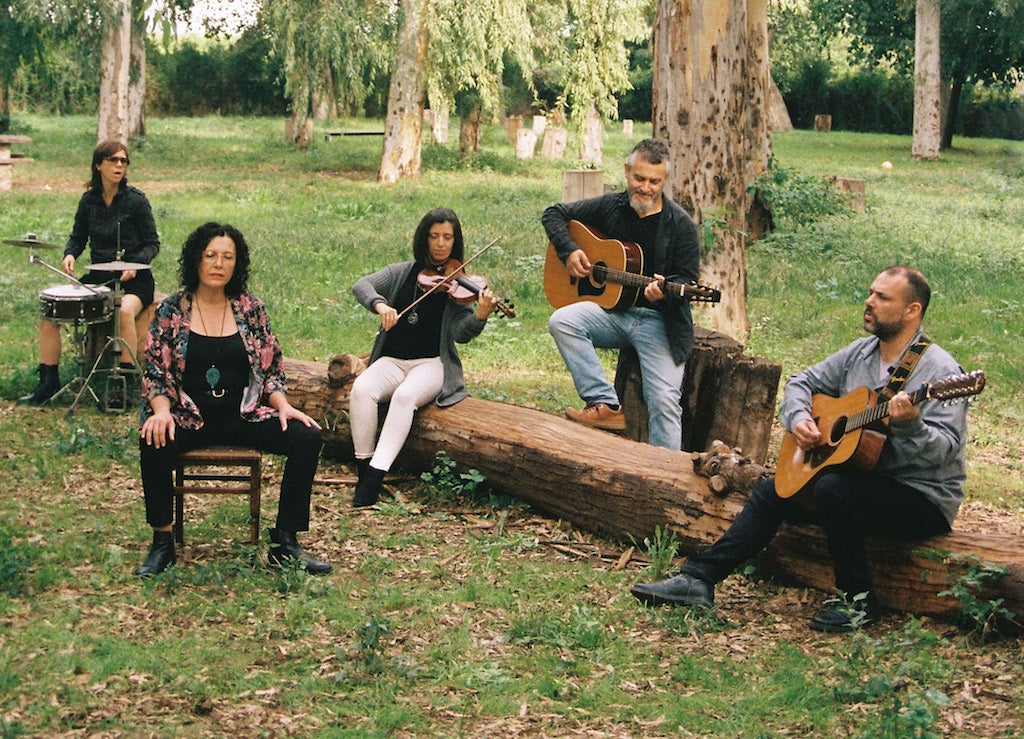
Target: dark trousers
{"x":299,"y":444}
{"x":847,"y":506}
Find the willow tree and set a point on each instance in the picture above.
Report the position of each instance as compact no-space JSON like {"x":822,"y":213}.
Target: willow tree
{"x":335,"y":47}
{"x":710,"y":105}
{"x":469,"y":47}
{"x":595,"y":35}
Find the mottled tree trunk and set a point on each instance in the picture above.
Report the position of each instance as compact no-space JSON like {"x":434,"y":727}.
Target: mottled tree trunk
{"x":710,"y":104}
{"x":403,"y":124}
{"x":927,"y":82}
{"x":592,"y":146}
{"x":114,"y":118}
{"x":137,"y":76}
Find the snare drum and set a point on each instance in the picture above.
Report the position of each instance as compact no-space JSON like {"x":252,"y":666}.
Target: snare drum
{"x":74,"y":304}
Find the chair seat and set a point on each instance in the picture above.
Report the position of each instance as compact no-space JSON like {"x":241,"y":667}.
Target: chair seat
{"x":217,"y":466}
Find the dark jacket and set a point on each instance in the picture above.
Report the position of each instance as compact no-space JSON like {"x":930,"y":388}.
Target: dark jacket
{"x":127,"y":223}
{"x":676,"y":254}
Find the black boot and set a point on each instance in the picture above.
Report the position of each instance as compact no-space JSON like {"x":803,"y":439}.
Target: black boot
{"x":368,"y":487}
{"x":49,"y":384}
{"x":284,"y":545}
{"x":161,"y":554}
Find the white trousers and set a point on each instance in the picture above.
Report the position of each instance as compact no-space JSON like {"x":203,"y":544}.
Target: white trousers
{"x":409,"y":384}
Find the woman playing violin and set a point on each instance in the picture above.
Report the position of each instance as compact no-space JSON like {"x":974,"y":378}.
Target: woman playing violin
{"x":413,"y":360}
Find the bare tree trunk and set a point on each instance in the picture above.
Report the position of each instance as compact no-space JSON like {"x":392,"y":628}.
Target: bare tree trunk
{"x":592,"y":148}
{"x":403,"y":123}
{"x":469,"y":132}
{"x":137,"y":77}
{"x":114,"y":119}
{"x":710,"y":104}
{"x":439,"y":127}
{"x":927,"y":82}
{"x":949,"y":111}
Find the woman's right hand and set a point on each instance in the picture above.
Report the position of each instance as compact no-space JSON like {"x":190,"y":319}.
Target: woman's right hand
{"x":388,"y":315}
{"x":158,"y":429}
{"x":68,"y":264}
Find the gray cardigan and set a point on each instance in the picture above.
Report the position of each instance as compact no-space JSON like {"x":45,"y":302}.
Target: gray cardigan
{"x":458,"y":324}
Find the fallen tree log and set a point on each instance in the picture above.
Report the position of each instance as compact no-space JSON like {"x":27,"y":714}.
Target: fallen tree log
{"x":622,"y":488}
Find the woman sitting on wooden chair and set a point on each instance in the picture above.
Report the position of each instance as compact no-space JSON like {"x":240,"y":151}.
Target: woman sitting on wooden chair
{"x":213,"y":375}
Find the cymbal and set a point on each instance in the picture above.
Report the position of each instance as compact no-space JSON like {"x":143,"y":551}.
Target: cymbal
{"x":118,"y":266}
{"x":31,"y":242}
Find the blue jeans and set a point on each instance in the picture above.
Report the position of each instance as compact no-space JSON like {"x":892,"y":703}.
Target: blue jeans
{"x":581,"y":328}
{"x":847,"y":505}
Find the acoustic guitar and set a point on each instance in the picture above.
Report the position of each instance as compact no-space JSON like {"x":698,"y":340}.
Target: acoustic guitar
{"x":853,"y":430}
{"x":617,"y":280}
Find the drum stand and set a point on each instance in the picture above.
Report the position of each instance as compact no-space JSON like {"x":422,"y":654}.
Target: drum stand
{"x":78,"y":334}
{"x":115,"y":396}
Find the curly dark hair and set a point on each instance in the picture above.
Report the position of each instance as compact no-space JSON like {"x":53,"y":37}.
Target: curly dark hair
{"x":420,"y":247}
{"x":103,"y":150}
{"x":192,"y":253}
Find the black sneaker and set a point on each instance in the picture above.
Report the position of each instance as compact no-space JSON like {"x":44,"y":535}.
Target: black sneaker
{"x":842,"y":615}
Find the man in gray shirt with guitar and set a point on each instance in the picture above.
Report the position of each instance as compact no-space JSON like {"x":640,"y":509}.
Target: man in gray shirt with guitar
{"x":863,"y":453}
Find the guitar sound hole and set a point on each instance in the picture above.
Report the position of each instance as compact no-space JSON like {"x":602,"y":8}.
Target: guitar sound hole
{"x":838,"y":430}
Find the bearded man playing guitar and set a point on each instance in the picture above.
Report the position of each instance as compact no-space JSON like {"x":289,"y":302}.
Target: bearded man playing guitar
{"x":657,"y":323}
{"x":913,"y":491}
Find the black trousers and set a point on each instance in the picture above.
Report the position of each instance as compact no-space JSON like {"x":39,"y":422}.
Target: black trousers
{"x":299,"y":444}
{"x":847,"y":505}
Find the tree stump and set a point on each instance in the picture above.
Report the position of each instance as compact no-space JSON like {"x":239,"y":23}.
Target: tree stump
{"x":726,"y":396}
{"x":579,"y":184}
{"x":853,"y":189}
{"x":823,"y":122}
{"x":526,"y":143}
{"x":553,"y":144}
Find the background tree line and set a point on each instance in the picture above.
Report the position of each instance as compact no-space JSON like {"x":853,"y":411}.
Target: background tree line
{"x":850,"y":60}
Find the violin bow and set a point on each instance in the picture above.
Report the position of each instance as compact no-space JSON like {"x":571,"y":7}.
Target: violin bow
{"x":447,"y":279}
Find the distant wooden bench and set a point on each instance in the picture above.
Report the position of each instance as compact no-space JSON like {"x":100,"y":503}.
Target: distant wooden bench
{"x":7,"y":158}
{"x":329,"y":135}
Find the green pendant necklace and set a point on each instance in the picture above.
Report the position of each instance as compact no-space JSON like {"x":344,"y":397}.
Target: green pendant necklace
{"x":212,"y":373}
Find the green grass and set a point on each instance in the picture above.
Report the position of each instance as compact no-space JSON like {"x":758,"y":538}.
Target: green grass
{"x":441,"y":620}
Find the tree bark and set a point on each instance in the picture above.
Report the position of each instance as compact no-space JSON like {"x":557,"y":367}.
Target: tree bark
{"x":113,"y":120}
{"x":621,"y":488}
{"x":403,"y":123}
{"x":927,"y":82}
{"x":137,"y":76}
{"x":592,"y":145}
{"x":469,"y":132}
{"x":710,"y":104}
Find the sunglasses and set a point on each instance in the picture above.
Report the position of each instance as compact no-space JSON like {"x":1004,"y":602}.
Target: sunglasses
{"x":117,"y":160}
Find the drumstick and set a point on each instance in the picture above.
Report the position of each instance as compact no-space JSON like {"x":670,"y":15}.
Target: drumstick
{"x":33,"y":259}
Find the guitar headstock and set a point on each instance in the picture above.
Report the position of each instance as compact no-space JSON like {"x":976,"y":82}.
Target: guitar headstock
{"x":698,"y":293}
{"x":957,"y":386}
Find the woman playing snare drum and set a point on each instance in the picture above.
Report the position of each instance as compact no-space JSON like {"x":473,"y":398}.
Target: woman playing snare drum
{"x":116,"y":221}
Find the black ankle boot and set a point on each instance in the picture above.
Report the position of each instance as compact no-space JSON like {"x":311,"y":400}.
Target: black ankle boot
{"x":368,"y":487}
{"x":49,"y":384}
{"x":284,"y":545}
{"x":161,"y":554}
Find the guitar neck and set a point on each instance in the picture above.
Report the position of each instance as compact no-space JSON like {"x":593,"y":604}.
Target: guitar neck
{"x":877,"y":412}
{"x":632,"y":279}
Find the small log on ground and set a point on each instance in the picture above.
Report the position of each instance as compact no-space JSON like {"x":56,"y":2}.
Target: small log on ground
{"x":620,"y":488}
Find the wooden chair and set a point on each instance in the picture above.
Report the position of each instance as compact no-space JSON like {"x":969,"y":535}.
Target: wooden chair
{"x":215,"y":466}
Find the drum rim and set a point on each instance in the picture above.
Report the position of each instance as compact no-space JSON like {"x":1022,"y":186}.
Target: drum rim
{"x":82,"y":292}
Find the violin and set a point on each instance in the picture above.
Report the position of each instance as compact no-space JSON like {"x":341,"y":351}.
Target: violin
{"x":462,"y":289}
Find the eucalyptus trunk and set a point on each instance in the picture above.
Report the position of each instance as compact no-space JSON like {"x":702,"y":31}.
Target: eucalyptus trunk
{"x":710,"y":105}
{"x":927,"y":82}
{"x":114,"y":114}
{"x":403,"y":124}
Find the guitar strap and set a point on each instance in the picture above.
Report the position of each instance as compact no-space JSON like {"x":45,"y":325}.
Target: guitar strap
{"x":906,"y":366}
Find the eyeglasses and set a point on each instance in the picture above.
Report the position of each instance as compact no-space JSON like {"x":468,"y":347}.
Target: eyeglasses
{"x":117,"y":160}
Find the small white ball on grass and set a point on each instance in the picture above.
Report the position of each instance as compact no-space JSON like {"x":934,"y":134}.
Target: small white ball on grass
{"x":887,"y":165}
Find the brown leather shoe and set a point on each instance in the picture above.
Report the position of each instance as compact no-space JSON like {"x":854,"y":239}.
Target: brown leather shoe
{"x":598,"y":416}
